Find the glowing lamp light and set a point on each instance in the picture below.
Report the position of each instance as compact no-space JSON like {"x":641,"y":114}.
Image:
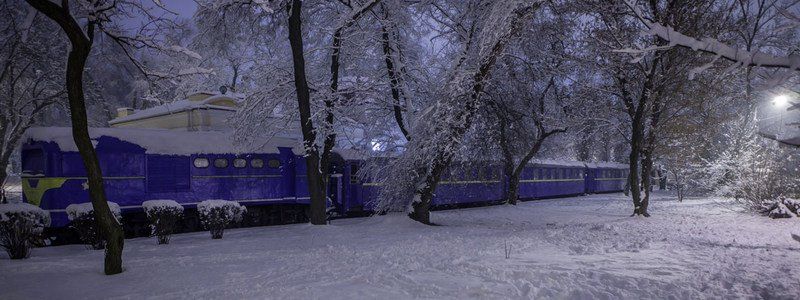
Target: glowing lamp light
{"x":780,"y":100}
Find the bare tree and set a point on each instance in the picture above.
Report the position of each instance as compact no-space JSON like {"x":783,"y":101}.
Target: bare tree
{"x":29,"y":77}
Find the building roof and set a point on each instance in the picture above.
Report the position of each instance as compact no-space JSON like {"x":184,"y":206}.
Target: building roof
{"x":163,"y":141}
{"x":201,"y":100}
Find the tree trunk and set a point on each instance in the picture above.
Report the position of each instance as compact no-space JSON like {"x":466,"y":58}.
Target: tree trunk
{"x":647,"y":169}
{"x":394,"y":83}
{"x":633,"y":165}
{"x":3,"y":175}
{"x":316,"y":186}
{"x":513,"y":189}
{"x":81,"y":43}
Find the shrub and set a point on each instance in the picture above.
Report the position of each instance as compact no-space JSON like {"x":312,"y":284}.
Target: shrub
{"x":83,"y":221}
{"x":163,"y":216}
{"x":215,"y":215}
{"x":781,"y":208}
{"x":20,"y":225}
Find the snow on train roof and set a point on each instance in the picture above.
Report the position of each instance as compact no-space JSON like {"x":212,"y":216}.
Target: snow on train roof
{"x":608,"y":165}
{"x":557,"y":162}
{"x":162,"y":141}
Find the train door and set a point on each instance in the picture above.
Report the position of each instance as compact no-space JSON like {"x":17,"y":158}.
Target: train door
{"x":589,"y":181}
{"x":335,"y":193}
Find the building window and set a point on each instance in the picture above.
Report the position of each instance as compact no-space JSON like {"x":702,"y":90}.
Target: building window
{"x":201,"y":162}
{"x":239,"y":163}
{"x":257,"y":163}
{"x":221,"y":163}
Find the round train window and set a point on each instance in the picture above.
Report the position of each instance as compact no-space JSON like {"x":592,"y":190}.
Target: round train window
{"x":274,"y":163}
{"x":257,"y":163}
{"x":201,"y":162}
{"x":239,"y":163}
{"x":221,"y":163}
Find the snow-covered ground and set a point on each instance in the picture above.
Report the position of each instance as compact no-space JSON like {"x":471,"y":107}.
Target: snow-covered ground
{"x":574,"y":248}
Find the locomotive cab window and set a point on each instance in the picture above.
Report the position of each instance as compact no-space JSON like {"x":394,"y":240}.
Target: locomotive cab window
{"x":33,"y":162}
{"x":221,"y":163}
{"x":201,"y":162}
{"x":239,"y":163}
{"x":257,"y":163}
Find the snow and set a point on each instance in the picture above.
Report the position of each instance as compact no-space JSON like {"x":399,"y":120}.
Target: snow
{"x":161,"y":141}
{"x":571,"y":248}
{"x":180,"y":106}
{"x":607,"y":165}
{"x":150,"y":205}
{"x":28,"y":211}
{"x":232,"y":211}
{"x":77,"y":211}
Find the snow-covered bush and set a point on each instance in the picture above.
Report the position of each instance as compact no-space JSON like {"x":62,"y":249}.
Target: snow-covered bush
{"x":83,"y":221}
{"x":215,"y":215}
{"x":782,"y":208}
{"x":20,"y":225}
{"x":163,"y":215}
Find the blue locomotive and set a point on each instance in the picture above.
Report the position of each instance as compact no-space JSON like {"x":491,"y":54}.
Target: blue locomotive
{"x":269,"y":178}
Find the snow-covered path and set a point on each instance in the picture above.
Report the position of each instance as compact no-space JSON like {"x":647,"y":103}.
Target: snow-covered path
{"x":575,"y":248}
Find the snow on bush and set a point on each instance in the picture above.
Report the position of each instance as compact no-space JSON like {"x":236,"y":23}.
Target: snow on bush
{"x":215,"y":215}
{"x":163,"y":216}
{"x":83,"y":221}
{"x":20,"y":226}
{"x":782,"y":208}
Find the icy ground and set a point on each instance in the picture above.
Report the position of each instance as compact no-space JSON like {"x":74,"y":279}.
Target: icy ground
{"x":574,"y":248}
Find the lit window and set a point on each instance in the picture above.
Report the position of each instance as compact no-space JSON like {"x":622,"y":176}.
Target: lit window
{"x":239,"y":163}
{"x":274,"y":163}
{"x":257,"y":163}
{"x":221,"y":163}
{"x":201,"y":162}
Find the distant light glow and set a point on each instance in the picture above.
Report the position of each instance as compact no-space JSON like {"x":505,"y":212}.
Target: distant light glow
{"x":780,"y":100}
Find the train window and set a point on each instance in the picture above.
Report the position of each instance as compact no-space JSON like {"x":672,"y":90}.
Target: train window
{"x":221,"y":163}
{"x":239,"y":163}
{"x":257,"y":163}
{"x":274,"y":163}
{"x":201,"y":162}
{"x":353,"y":174}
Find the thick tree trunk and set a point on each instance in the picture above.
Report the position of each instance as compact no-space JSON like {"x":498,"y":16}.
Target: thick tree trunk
{"x":513,"y":189}
{"x":633,"y":163}
{"x":81,"y":43}
{"x":316,"y":185}
{"x":108,"y":224}
{"x":421,"y":206}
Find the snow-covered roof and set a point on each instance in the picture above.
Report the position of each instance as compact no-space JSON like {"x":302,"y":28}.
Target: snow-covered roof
{"x":557,"y":162}
{"x":605,"y":164}
{"x":207,"y":100}
{"x":162,"y":141}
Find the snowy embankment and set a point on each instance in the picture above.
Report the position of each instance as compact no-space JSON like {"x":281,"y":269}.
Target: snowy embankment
{"x":583,"y":247}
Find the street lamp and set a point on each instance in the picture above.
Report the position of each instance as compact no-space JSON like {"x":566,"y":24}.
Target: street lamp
{"x":780,"y":100}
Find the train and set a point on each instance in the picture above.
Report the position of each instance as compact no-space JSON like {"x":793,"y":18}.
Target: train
{"x":268,"y":177}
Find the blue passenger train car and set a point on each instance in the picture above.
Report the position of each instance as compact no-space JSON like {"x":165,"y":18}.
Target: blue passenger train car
{"x":268,"y":178}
